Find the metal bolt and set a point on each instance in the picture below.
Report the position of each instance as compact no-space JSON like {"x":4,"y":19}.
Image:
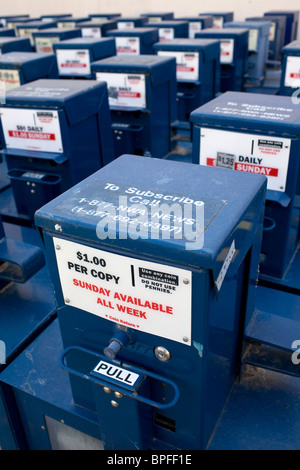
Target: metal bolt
{"x":67,"y":301}
{"x":57,"y":247}
{"x":186,"y":281}
{"x":185,"y":339}
{"x":114,"y":404}
{"x":162,"y":353}
{"x":118,"y":395}
{"x":107,"y":390}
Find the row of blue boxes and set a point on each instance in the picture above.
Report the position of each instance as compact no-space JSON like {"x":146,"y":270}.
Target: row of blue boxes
{"x":150,"y":304}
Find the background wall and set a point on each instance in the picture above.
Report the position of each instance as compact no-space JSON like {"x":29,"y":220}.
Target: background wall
{"x":242,"y":9}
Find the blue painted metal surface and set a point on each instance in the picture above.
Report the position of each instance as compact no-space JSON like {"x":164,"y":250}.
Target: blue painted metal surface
{"x":84,"y":122}
{"x":131,"y":22}
{"x":30,"y":66}
{"x":197,"y":71}
{"x":258,"y":48}
{"x":27,"y":307}
{"x":265,"y":120}
{"x":70,"y":64}
{"x":146,"y":38}
{"x":104,"y":16}
{"x":45,"y":38}
{"x":215,"y":340}
{"x":233,"y":57}
{"x":142,"y":128}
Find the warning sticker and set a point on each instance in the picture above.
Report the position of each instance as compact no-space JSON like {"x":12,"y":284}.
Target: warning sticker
{"x":45,"y":44}
{"x":194,"y":27}
{"x":30,"y":129}
{"x":165,"y":34}
{"x":138,"y":294}
{"x":128,"y":45}
{"x":264,"y":155}
{"x":91,"y":32}
{"x":125,"y":90}
{"x":11,"y":78}
{"x":73,"y":61}
{"x":187,"y":64}
{"x":227,"y":49}
{"x":292,"y":72}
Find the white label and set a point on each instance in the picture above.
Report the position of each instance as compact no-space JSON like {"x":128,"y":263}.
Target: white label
{"x":125,"y":24}
{"x":227,"y":49}
{"x":258,"y":154}
{"x":27,"y":33}
{"x":125,"y":90}
{"x":73,"y":61}
{"x":194,"y":27}
{"x":252,"y":40}
{"x":225,"y":266}
{"x":292,"y":72}
{"x":187,"y":64}
{"x":149,"y":297}
{"x":218,"y":22}
{"x":165,"y":34}
{"x":91,"y":32}
{"x":43,"y":44}
{"x":272,"y":31}
{"x":66,"y":24}
{"x":127,"y":45}
{"x":11,"y":78}
{"x":117,"y":373}
{"x":30,"y":129}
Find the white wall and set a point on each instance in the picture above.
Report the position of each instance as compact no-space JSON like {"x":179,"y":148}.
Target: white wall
{"x":241,"y":9}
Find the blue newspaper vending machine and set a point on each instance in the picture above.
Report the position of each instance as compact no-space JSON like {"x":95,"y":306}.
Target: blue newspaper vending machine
{"x":259,"y":134}
{"x":220,"y":18}
{"x":54,"y":133}
{"x":197,"y":23}
{"x":45,"y":38}
{"x":292,"y":21}
{"x":18,"y":68}
{"x":276,"y":35}
{"x":157,"y":17}
{"x":75,"y":56}
{"x":131,"y":22}
{"x":142,"y":100}
{"x":135,"y":41}
{"x":197,"y":71}
{"x":233,"y":55}
{"x":92,"y":29}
